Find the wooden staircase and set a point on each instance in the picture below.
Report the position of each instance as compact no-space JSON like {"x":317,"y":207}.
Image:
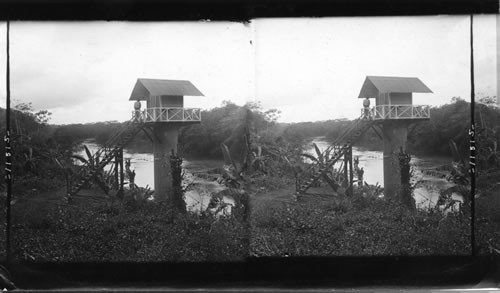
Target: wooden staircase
{"x":339,"y":148}
{"x":106,"y":154}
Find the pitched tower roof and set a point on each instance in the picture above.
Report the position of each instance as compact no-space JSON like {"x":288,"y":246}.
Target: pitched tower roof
{"x":391,"y":84}
{"x":145,"y":87}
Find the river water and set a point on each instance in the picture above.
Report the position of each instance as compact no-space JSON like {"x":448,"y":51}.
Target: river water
{"x":426,"y":195}
{"x":198,"y":197}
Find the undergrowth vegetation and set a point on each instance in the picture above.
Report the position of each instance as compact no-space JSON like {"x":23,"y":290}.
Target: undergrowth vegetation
{"x":488,"y":179}
{"x":355,"y":226}
{"x":263,"y":169}
{"x":125,"y":231}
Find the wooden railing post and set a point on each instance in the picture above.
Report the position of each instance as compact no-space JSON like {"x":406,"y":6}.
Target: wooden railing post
{"x":116,"y":171}
{"x":346,"y":179}
{"x":122,"y":177}
{"x":350,"y":171}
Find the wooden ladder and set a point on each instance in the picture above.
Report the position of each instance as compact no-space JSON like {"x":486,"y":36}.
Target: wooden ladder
{"x":108,"y":151}
{"x":350,"y":136}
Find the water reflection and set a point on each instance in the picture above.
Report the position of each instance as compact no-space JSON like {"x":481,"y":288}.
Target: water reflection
{"x":197,"y":197}
{"x":426,"y":194}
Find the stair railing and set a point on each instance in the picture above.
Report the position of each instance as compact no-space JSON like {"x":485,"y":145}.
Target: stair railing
{"x":333,"y":146}
{"x":107,"y":146}
{"x":107,"y":150}
{"x":336,"y":146}
{"x":335,"y":157}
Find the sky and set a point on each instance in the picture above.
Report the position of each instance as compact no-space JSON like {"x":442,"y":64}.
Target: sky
{"x":309,"y":68}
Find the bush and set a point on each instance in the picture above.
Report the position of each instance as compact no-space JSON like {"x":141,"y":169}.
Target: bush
{"x":26,"y":184}
{"x":356,"y":226}
{"x":111,"y":231}
{"x":272,"y":182}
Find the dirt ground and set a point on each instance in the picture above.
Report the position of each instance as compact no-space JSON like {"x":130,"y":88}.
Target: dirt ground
{"x":264,"y":199}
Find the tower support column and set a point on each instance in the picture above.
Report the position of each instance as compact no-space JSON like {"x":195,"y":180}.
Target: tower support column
{"x":395,"y":135}
{"x":165,"y":137}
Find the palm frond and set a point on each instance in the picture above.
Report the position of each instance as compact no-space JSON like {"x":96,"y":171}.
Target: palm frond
{"x":287,"y":161}
{"x":58,"y":163}
{"x":318,"y":152}
{"x":227,"y":155}
{"x":89,"y":155}
{"x":274,"y":153}
{"x":454,"y":150}
{"x":80,"y":158}
{"x":311,"y":157}
{"x":327,"y":155}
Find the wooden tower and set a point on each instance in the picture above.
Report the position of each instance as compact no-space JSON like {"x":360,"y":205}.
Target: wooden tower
{"x":394,"y":112}
{"x":164,"y":115}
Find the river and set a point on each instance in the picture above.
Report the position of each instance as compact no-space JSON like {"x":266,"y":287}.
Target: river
{"x":426,"y":195}
{"x":198,"y":197}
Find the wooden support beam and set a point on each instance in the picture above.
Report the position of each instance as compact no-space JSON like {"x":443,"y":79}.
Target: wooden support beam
{"x":350,"y":171}
{"x":69,"y":182}
{"x":156,"y":137}
{"x":346,"y":179}
{"x":116,"y":171}
{"x":122,"y":177}
{"x":101,"y":183}
{"x":376,"y":132}
{"x":147,"y":134}
{"x":330,"y":182}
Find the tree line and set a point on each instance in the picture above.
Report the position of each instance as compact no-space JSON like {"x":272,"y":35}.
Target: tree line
{"x":33,"y":136}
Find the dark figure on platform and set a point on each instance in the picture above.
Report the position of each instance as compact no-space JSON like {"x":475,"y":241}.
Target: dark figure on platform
{"x":137,"y":108}
{"x":366,"y":106}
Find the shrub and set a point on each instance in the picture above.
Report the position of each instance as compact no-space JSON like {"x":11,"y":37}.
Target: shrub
{"x":356,"y":226}
{"x":111,"y":231}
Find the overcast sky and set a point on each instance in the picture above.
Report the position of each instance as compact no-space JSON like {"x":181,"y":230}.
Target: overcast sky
{"x":310,"y":69}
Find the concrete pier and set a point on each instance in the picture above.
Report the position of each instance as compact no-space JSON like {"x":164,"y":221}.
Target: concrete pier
{"x":395,"y":135}
{"x":164,"y":143}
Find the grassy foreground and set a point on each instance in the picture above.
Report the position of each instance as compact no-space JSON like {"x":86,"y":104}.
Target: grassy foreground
{"x":114,"y":230}
{"x":488,"y":222}
{"x":351,"y":226}
{"x":275,"y":224}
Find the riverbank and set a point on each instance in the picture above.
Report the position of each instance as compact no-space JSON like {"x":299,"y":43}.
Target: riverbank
{"x":427,"y":184}
{"x":95,"y":228}
{"x":488,"y":221}
{"x":274,"y":223}
{"x":334,"y":225}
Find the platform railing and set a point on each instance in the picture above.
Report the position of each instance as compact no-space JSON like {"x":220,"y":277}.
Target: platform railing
{"x":381,"y":112}
{"x":170,"y":114}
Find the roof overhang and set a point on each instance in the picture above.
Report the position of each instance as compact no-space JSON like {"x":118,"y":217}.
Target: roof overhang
{"x":145,"y":88}
{"x":374,"y":85}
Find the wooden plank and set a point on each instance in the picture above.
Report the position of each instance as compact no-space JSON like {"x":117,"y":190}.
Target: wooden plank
{"x":350,"y":171}
{"x":116,"y":172}
{"x":122,"y":177}
{"x":376,"y":132}
{"x":345,"y":169}
{"x":147,"y":134}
